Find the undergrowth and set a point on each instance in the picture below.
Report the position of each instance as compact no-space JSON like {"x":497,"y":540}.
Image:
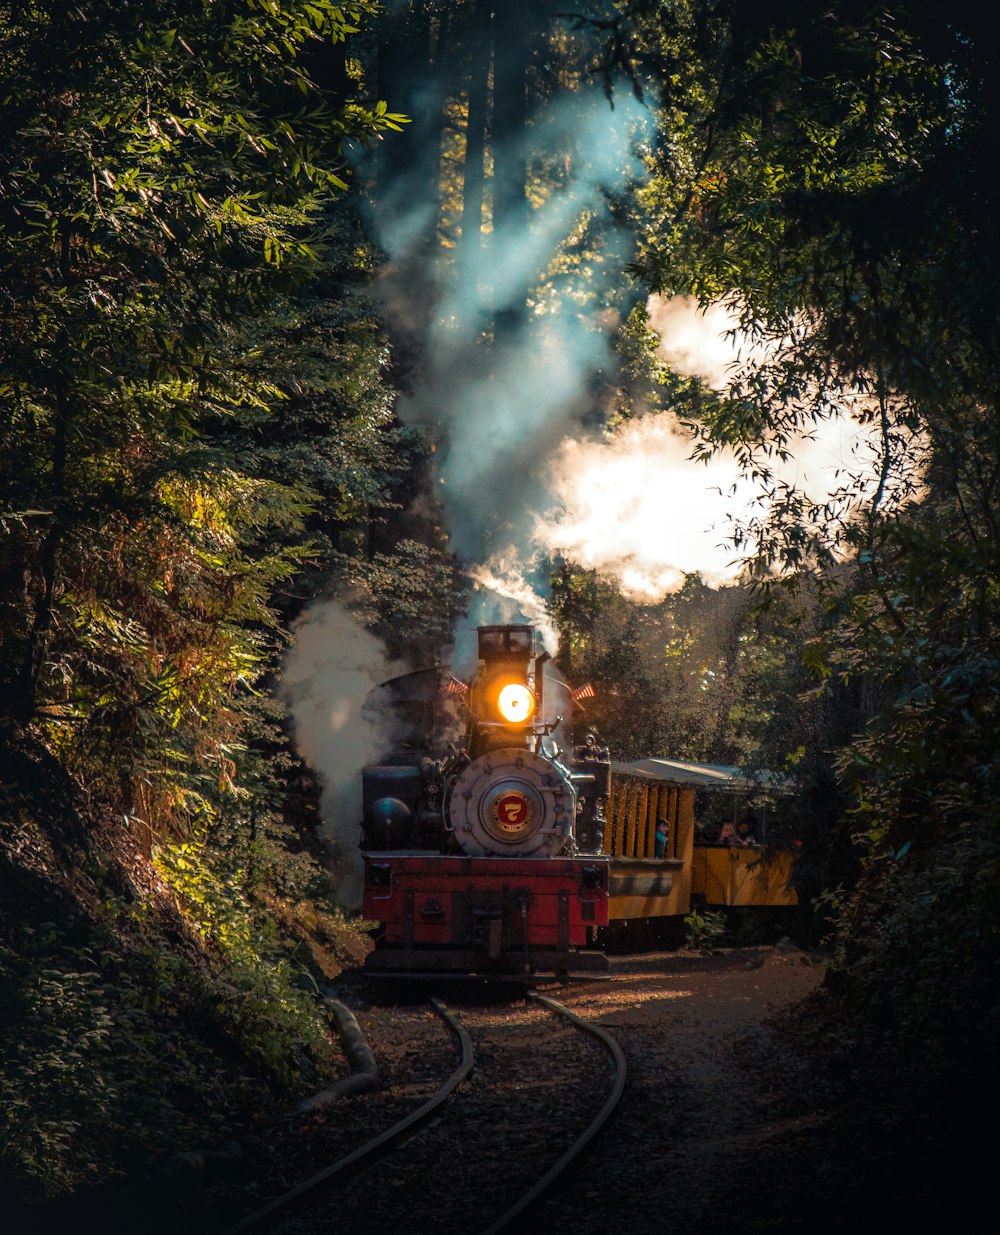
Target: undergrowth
{"x":147,"y":1014}
{"x":915,"y":958}
{"x":706,"y":930}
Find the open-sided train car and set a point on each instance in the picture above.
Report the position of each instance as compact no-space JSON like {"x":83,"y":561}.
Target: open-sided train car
{"x":694,"y":800}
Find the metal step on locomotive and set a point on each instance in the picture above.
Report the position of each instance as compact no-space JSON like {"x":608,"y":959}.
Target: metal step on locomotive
{"x":484,"y":854}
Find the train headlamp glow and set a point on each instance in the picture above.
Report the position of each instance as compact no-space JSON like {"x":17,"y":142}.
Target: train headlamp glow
{"x":516,"y":703}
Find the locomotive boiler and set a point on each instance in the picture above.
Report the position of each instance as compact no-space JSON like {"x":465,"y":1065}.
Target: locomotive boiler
{"x":483,"y":845}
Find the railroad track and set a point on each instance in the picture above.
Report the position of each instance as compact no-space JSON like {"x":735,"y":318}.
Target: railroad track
{"x":487,"y":1128}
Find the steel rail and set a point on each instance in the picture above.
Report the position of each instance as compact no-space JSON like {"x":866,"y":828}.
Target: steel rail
{"x":584,"y":1139}
{"x":374,"y":1148}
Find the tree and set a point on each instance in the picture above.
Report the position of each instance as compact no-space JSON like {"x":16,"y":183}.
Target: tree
{"x":829,"y":173}
{"x":195,"y":420}
{"x":162,"y":187}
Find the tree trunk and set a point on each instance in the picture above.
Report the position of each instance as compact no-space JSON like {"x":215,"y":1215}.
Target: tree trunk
{"x":474,"y":178}
{"x":511,"y":41}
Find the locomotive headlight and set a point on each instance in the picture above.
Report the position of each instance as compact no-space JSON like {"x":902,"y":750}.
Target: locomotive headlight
{"x":516,"y":703}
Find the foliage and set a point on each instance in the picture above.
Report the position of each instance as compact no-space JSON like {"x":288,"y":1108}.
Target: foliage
{"x":706,"y":930}
{"x":702,"y":675}
{"x":163,"y":179}
{"x":196,"y":424}
{"x":824,"y":172}
{"x":142,"y":1017}
{"x":117,"y":1055}
{"x":916,"y":956}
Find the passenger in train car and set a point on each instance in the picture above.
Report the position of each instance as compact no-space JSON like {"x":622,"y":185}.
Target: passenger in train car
{"x":660,"y":839}
{"x":727,"y":834}
{"x":744,"y":834}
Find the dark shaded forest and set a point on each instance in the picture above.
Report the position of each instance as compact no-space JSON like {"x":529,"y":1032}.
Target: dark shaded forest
{"x":304,"y":310}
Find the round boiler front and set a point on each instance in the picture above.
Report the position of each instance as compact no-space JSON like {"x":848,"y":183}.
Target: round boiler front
{"x":512,"y":802}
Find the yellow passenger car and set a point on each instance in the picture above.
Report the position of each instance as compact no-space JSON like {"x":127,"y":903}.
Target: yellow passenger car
{"x":693,"y":869}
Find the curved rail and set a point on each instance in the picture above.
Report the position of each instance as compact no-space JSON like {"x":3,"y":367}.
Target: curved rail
{"x":374,"y":1148}
{"x":584,"y":1139}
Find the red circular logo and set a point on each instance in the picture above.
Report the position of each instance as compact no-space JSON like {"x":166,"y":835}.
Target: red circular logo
{"x":512,"y":810}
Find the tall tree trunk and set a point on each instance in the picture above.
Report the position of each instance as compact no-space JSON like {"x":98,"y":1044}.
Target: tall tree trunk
{"x":413,"y":68}
{"x":511,"y":43}
{"x":474,"y":177}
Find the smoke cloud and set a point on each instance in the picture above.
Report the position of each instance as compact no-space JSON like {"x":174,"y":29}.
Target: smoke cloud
{"x":704,"y":343}
{"x":636,"y":507}
{"x":632,"y":506}
{"x":500,"y":409}
{"x":329,"y":669}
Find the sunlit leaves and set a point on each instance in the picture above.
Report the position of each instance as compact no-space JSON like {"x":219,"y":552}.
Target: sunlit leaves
{"x":162,"y":189}
{"x":826,"y":181}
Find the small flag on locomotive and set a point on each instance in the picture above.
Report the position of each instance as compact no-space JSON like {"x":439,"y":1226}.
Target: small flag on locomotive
{"x":483,"y":847}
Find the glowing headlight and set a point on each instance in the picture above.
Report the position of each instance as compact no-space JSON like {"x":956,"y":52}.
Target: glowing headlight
{"x":516,"y":703}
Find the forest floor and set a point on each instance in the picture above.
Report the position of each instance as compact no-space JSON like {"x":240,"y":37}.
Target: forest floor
{"x":747,"y":1111}
{"x":751,"y":1104}
{"x":738,"y":1115}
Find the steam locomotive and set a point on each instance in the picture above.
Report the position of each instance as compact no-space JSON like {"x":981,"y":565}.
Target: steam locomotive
{"x":482,"y":839}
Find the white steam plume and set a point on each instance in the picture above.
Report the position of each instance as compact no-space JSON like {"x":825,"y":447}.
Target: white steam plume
{"x":701,"y":342}
{"x":514,"y":598}
{"x":500,"y":412}
{"x":634,"y":506}
{"x":330,"y":667}
{"x":505,"y":593}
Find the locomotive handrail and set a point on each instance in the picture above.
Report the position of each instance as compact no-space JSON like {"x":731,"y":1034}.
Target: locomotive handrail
{"x":371,"y":1149}
{"x":584,"y":1139}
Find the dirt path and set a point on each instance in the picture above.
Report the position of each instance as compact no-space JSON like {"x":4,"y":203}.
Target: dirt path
{"x":743,"y":1114}
{"x":706,"y":1069}
{"x":703,"y":1062}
